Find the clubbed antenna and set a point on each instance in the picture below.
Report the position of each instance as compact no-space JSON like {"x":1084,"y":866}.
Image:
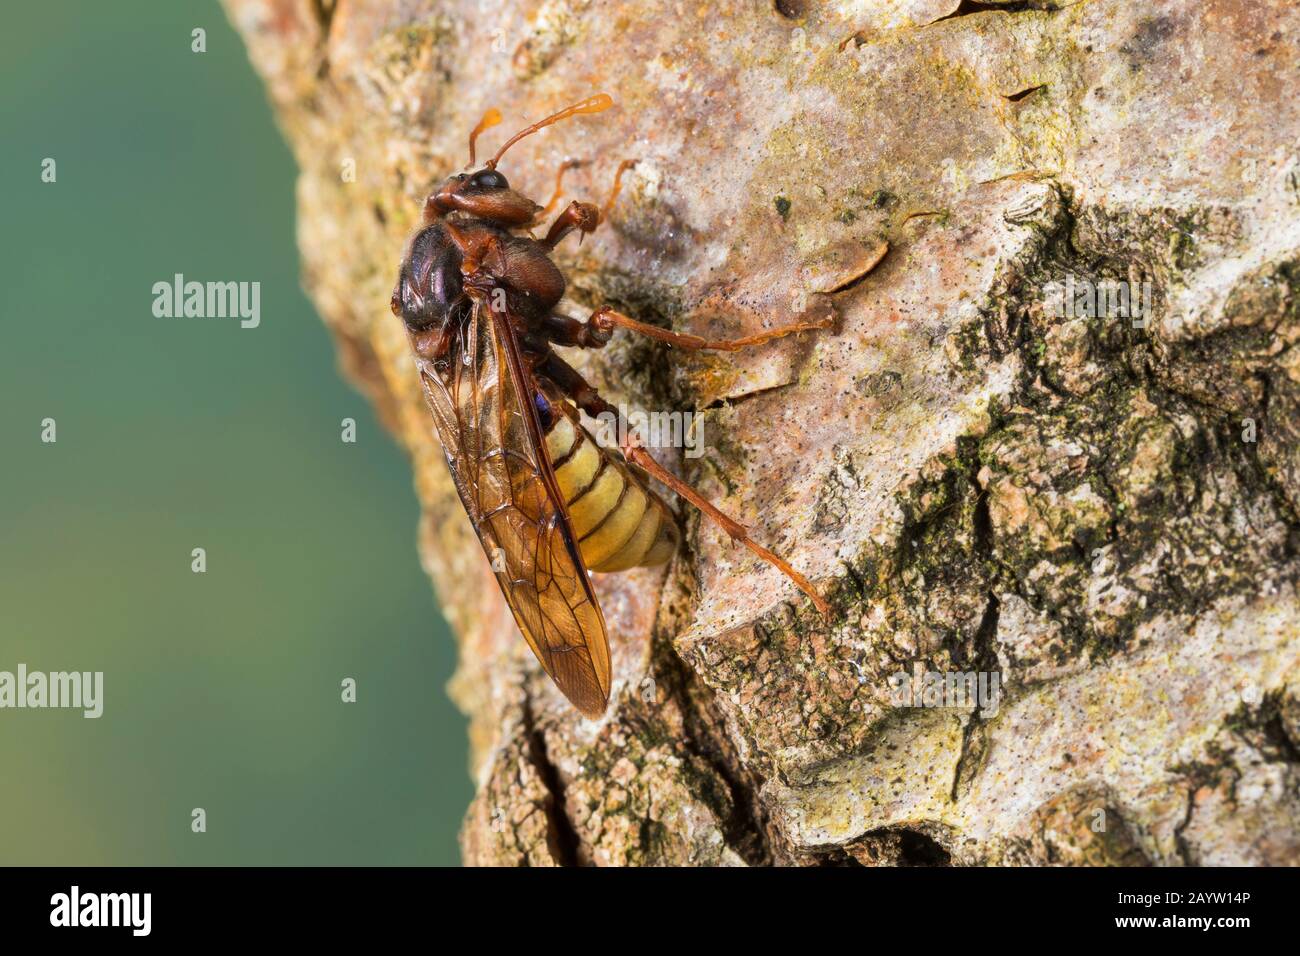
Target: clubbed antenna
{"x":592,"y":104}
{"x":490,"y":119}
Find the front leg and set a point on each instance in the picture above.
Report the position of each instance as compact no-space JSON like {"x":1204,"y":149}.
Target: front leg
{"x":582,"y":216}
{"x":565,"y":166}
{"x":508,"y":266}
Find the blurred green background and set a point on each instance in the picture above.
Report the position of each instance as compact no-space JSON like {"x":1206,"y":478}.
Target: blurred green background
{"x":222,"y":690}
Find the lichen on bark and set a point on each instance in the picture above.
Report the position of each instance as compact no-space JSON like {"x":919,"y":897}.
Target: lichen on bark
{"x":1105,"y":513}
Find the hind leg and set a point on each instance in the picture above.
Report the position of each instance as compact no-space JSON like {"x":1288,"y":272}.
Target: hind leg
{"x":572,"y":384}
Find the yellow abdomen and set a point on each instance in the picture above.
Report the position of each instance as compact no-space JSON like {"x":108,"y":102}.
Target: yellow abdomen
{"x":619,"y":522}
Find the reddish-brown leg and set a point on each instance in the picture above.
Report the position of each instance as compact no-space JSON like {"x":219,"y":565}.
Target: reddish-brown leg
{"x":571,"y":382}
{"x":565,"y":166}
{"x":559,"y":329}
{"x":577,"y":215}
{"x":635,"y":452}
{"x":482,"y":260}
{"x":617,"y":187}
{"x":605,"y":319}
{"x":581,"y":215}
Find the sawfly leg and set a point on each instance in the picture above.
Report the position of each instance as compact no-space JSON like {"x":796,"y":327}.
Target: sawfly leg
{"x":584,"y":395}
{"x":605,"y":319}
{"x":582,"y":216}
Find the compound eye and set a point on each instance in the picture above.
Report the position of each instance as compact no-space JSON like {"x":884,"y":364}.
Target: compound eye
{"x":488,"y":179}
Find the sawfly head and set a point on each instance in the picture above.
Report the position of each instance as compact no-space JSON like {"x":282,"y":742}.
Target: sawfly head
{"x":486,"y":193}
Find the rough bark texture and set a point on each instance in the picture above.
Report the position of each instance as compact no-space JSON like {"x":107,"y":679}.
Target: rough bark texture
{"x":978,"y":483}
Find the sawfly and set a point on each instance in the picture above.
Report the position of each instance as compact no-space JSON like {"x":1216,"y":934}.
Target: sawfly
{"x":477,"y":293}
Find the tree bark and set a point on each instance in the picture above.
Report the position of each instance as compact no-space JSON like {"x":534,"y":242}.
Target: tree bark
{"x":985,"y":478}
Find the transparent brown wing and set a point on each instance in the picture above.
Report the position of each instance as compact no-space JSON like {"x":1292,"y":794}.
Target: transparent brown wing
{"x":482,"y":401}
